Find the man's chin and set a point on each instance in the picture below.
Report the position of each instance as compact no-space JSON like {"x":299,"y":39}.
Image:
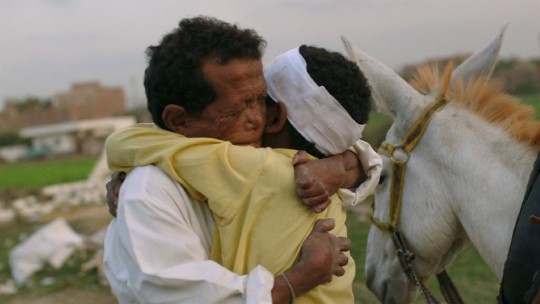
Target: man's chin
{"x":253,"y":144}
{"x":253,"y":141}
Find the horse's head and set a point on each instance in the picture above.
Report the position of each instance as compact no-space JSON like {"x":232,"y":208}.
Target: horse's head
{"x":426,"y":216}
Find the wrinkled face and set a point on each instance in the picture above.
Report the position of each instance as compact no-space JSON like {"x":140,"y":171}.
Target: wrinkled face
{"x":238,"y":114}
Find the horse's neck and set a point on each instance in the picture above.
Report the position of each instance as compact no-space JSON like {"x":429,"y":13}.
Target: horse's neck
{"x":492,"y":174}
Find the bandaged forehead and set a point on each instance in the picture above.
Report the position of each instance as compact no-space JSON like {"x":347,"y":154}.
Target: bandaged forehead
{"x":313,"y":112}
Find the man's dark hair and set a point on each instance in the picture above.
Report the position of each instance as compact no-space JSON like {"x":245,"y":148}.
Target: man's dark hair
{"x":342,"y":79}
{"x":174,"y":73}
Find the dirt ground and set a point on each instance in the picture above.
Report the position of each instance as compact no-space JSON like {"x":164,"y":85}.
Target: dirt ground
{"x":68,"y":296}
{"x":85,"y":219}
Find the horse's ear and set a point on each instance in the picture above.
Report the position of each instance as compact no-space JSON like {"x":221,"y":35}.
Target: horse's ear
{"x":481,"y":63}
{"x":392,"y":94}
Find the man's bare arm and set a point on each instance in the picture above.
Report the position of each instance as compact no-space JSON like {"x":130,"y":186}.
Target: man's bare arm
{"x":113,"y":189}
{"x":317,"y":180}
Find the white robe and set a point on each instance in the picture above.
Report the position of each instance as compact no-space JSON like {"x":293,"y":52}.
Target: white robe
{"x":156,"y":250}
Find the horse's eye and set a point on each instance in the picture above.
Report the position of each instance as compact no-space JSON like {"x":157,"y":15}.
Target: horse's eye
{"x":382,"y":178}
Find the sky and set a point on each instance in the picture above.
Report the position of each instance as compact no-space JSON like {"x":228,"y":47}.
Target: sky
{"x":47,"y":45}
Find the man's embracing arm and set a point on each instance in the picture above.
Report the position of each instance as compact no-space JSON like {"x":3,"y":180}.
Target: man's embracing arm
{"x":353,"y":174}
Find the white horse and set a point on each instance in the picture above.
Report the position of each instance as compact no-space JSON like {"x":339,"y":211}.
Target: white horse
{"x":465,"y":179}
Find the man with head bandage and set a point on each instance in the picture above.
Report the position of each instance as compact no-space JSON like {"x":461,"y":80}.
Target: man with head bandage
{"x":321,"y":123}
{"x":259,"y":219}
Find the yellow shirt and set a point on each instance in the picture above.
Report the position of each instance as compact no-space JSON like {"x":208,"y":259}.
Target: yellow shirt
{"x":251,"y":193}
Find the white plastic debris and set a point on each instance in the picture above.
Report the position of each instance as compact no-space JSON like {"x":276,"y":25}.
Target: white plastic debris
{"x":53,"y":244}
{"x":8,"y":288}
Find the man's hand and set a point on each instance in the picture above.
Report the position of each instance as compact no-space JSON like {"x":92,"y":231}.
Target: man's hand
{"x":113,"y":188}
{"x":321,"y":258}
{"x":317,"y":180}
{"x":324,"y":253}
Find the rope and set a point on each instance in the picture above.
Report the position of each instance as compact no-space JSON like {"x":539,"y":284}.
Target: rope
{"x":406,"y":258}
{"x":448,"y":289}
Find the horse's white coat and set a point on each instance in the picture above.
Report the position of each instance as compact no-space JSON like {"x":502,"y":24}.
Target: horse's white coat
{"x":464,"y":182}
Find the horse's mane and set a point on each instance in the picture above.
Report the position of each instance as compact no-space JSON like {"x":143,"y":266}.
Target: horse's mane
{"x":484,"y":99}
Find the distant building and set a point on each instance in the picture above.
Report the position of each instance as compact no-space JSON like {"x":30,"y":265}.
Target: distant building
{"x":88,"y":100}
{"x":102,"y":101}
{"x":82,"y":136}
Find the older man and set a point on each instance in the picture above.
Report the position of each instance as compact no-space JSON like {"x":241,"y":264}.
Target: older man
{"x":238,"y":92}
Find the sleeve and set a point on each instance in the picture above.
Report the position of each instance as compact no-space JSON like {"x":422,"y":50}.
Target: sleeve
{"x":153,"y":249}
{"x":372,"y":164}
{"x":218,"y":171}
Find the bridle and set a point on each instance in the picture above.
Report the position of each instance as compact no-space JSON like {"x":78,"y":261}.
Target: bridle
{"x":399,"y":155}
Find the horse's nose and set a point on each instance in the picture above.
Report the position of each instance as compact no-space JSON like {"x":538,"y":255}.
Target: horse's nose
{"x":385,"y":296}
{"x":390,"y":289}
{"x":396,"y":291}
{"x":378,"y":287}
{"x":370,"y":276}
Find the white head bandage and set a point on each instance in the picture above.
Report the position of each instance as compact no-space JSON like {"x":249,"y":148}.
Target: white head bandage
{"x":313,"y":112}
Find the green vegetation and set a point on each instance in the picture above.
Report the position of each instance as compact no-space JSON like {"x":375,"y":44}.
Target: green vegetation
{"x":12,"y":138}
{"x":534,"y":100}
{"x":375,"y":131}
{"x":28,"y":175}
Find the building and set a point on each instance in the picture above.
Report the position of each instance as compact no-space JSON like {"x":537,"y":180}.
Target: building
{"x":82,"y":136}
{"x":88,"y":100}
{"x":91,"y":100}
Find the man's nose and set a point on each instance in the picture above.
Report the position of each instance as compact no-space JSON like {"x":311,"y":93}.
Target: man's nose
{"x":256,"y":115}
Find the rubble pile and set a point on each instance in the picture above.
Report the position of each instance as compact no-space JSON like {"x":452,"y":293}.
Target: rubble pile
{"x":55,"y":242}
{"x":55,"y":197}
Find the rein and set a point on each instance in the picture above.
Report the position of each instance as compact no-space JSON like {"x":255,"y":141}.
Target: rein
{"x":399,"y":155}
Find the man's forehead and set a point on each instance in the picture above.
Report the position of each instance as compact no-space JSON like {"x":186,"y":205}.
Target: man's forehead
{"x":235,"y":84}
{"x":235,"y":74}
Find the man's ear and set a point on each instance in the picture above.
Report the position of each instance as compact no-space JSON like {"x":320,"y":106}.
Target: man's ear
{"x":276,"y":117}
{"x":175,"y":118}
